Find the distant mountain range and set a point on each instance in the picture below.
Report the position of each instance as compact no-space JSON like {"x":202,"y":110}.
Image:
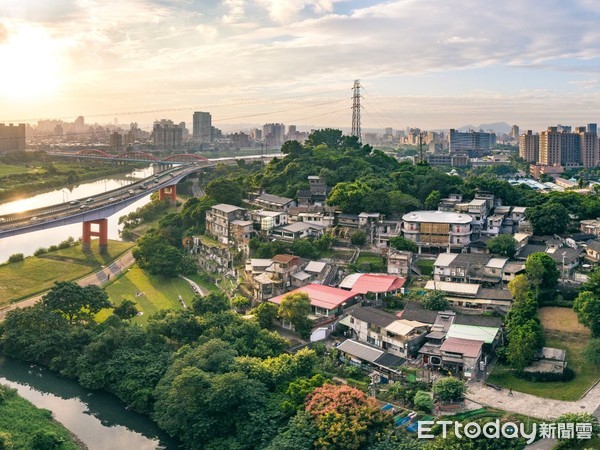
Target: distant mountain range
{"x":497,"y":127}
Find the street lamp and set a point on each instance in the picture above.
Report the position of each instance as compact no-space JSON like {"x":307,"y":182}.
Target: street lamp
{"x":63,"y":193}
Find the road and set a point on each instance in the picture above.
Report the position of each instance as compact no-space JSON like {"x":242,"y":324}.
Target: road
{"x":530,"y":405}
{"x":99,"y":278}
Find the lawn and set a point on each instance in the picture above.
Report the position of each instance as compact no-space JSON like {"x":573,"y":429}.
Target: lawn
{"x":37,"y":274}
{"x":7,"y":169}
{"x":562,"y":331}
{"x":157,"y":293}
{"x":202,"y":280}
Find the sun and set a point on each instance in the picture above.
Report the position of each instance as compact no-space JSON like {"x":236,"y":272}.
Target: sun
{"x":29,"y":65}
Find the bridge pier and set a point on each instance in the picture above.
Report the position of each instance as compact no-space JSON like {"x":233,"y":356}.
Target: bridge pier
{"x":88,"y":233}
{"x":169,"y":192}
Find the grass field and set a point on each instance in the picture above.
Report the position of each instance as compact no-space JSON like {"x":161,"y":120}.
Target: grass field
{"x":562,"y":331}
{"x":7,"y":169}
{"x":37,"y":274}
{"x":22,"y":421}
{"x":157,"y":293}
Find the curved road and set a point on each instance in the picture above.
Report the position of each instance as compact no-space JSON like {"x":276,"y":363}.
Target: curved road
{"x":125,"y":261}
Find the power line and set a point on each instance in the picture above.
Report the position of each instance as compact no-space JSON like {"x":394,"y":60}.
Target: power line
{"x":392,"y":120}
{"x":183,"y":108}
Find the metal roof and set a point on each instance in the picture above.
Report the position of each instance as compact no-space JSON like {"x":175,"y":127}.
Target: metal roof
{"x":437,"y":217}
{"x":485,"y":334}
{"x":360,"y":350}
{"x":444,"y":259}
{"x":454,"y":288}
{"x":466,"y":347}
{"x":315,"y":267}
{"x":373,"y":315}
{"x":497,"y":263}
{"x":227,"y":208}
{"x":404,"y":327}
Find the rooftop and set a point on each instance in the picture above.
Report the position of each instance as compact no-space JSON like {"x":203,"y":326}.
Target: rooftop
{"x":437,"y":217}
{"x":367,"y":282}
{"x":415,"y":311}
{"x":454,"y":288}
{"x":403,"y":327}
{"x":315,"y":267}
{"x":284,"y":259}
{"x":485,"y":334}
{"x":371,"y":354}
{"x":224,"y":207}
{"x":373,"y":315}
{"x":275,"y":199}
{"x":469,"y":348}
{"x":301,"y":226}
{"x":321,"y":296}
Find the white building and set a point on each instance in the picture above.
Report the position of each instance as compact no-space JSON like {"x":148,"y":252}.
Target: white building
{"x":437,"y":231}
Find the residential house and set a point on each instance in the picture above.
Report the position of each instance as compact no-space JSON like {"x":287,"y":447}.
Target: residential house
{"x":283,"y":267}
{"x":371,"y":359}
{"x":386,"y":331}
{"x":212,"y":256}
{"x":298,"y":230}
{"x":437,"y":231}
{"x":469,"y":268}
{"x":399,"y":262}
{"x":376,"y":284}
{"x":592,"y":252}
{"x":321,"y":215}
{"x":325,"y":301}
{"x":462,"y":356}
{"x":264,"y":221}
{"x":318,"y":189}
{"x":240,"y":232}
{"x":472,"y":296}
{"x":591,"y":226}
{"x":274,"y":202}
{"x":387,"y":230}
{"x":219,"y":218}
{"x":511,"y":270}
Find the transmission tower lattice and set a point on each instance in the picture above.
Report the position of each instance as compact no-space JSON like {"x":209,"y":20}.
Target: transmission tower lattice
{"x":356,"y":109}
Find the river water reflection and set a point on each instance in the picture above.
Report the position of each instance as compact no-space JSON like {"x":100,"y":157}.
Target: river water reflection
{"x":28,"y":243}
{"x":99,"y":419}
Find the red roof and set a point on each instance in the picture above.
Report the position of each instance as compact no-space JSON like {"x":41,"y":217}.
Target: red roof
{"x":320,"y":296}
{"x":284,"y":259}
{"x":467,"y":347}
{"x":369,"y":282}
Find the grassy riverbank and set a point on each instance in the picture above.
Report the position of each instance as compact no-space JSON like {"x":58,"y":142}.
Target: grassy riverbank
{"x":18,"y":181}
{"x":36,"y":274}
{"x":23,"y":426}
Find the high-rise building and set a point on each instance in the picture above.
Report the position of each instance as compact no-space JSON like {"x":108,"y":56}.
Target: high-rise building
{"x":529,"y":147}
{"x":550,"y":147}
{"x":12,"y":137}
{"x":202,"y":127}
{"x":116,"y":142}
{"x":514,"y":132}
{"x":590,"y":152}
{"x":473,"y":142}
{"x":166,"y":135}
{"x":274,"y":134}
{"x":570,"y":149}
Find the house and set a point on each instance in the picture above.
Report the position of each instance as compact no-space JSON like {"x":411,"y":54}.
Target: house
{"x":371,"y":358}
{"x":399,"y":262}
{"x":548,"y":359}
{"x":468,"y":268}
{"x":325,"y":301}
{"x":462,"y":356}
{"x":511,"y":270}
{"x":318,"y":189}
{"x":386,"y":230}
{"x":264,"y":221}
{"x":591,"y":226}
{"x":212,"y":255}
{"x":274,"y":202}
{"x":219,"y":218}
{"x":477,"y":209}
{"x":347,"y":220}
{"x":415,"y":311}
{"x":437,"y":231}
{"x":592,"y":251}
{"x":472,"y":296}
{"x":240,"y":232}
{"x":297,"y":230}
{"x":368,"y":283}
{"x":321,"y":215}
{"x":283,"y":267}
{"x":386,"y":331}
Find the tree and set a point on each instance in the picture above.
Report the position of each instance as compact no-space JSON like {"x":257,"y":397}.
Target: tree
{"x":126,"y":310}
{"x":401,"y":243}
{"x":542,"y":273}
{"x":451,"y":442}
{"x":593,"y":283}
{"x":587,"y":307}
{"x":449,"y":389}
{"x":295,"y":308}
{"x":211,"y":303}
{"x":519,"y":287}
{"x":523,"y":342}
{"x":265,"y":314}
{"x":240,"y":303}
{"x":359,"y":237}
{"x":503,"y":245}
{"x":154,"y":253}
{"x":349,"y":196}
{"x":435,"y":301}
{"x":345,"y":417}
{"x":224,"y":190}
{"x":299,"y":434}
{"x":332,"y":138}
{"x":401,"y":203}
{"x":76,"y":303}
{"x":549,"y":218}
{"x":423,"y":401}
{"x":576,"y":418}
{"x":433,"y":199}
{"x":591,"y":352}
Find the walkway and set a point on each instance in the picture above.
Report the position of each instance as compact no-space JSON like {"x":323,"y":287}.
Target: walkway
{"x":98,"y":278}
{"x":196,"y":287}
{"x":530,"y":405}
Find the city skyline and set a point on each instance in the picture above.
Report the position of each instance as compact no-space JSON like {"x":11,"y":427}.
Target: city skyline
{"x":431,"y":66}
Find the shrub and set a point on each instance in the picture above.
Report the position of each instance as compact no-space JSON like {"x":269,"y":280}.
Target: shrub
{"x":423,"y":401}
{"x":567,"y":375}
{"x":17,"y":257}
{"x":40,"y":251}
{"x":53,"y":248}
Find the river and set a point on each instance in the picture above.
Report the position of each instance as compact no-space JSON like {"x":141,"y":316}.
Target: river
{"x":28,"y":243}
{"x":99,"y":419}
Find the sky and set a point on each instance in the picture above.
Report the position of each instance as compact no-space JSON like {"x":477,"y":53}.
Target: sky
{"x":428,"y":64}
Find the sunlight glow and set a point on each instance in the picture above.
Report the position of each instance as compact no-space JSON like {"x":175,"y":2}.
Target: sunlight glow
{"x":30,"y":65}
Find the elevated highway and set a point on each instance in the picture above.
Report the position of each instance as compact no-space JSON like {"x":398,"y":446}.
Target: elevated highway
{"x":96,"y":209}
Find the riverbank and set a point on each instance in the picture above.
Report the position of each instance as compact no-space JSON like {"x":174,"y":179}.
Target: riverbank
{"x":49,"y":176}
{"x":26,"y":427}
{"x":35,"y":274}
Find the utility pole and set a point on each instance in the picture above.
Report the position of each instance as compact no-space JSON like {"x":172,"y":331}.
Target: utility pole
{"x":421,"y":160}
{"x":356,"y":109}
